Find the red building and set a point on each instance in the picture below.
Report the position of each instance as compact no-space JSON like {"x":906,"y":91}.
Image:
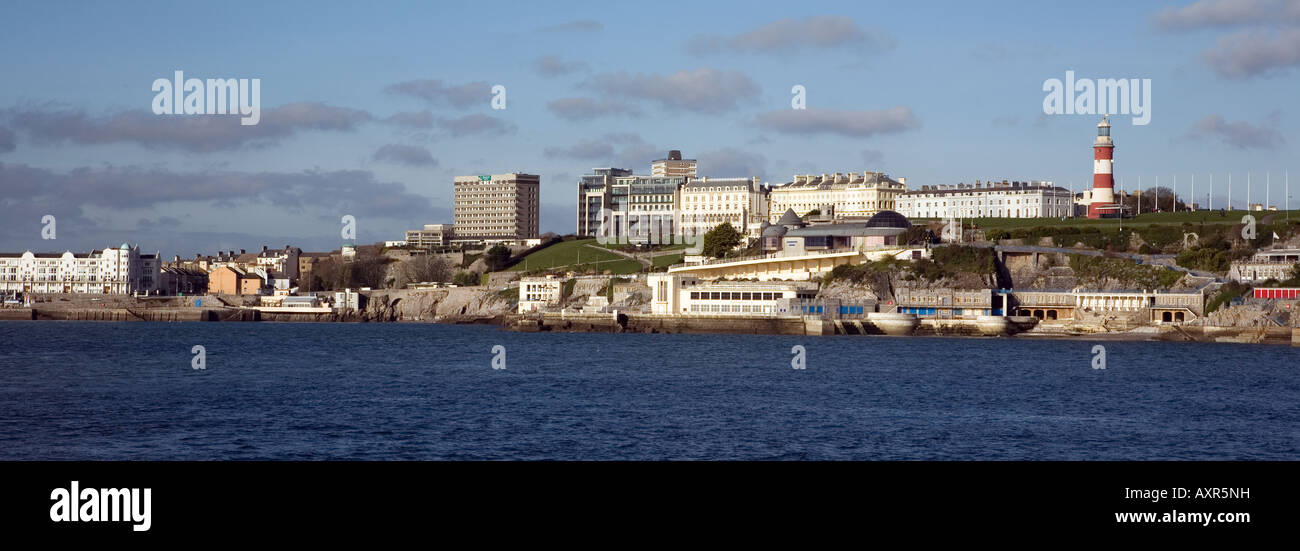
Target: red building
{"x":1290,"y":293}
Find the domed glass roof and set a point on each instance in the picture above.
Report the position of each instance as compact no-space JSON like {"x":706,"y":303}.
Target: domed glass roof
{"x":888,"y":219}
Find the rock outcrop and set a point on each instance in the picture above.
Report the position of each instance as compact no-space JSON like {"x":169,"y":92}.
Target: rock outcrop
{"x":455,"y":305}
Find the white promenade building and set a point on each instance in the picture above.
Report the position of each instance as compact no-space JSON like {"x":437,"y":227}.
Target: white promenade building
{"x":120,"y":270}
{"x":677,"y":295}
{"x":709,"y":202}
{"x":992,"y":199}
{"x":539,"y":293}
{"x":850,"y":195}
{"x":1264,"y":265}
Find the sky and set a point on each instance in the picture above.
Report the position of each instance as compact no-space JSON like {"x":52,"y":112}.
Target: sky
{"x":371,"y":110}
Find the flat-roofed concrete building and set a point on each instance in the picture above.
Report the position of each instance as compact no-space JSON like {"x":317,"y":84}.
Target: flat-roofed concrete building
{"x":537,"y":293}
{"x":678,"y":295}
{"x":595,"y":198}
{"x":643,"y":209}
{"x":1264,"y":265}
{"x":497,"y":207}
{"x":433,"y":235}
{"x":674,"y":166}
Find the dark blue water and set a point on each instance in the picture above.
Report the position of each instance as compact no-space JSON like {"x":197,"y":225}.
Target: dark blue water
{"x":96,"y":390}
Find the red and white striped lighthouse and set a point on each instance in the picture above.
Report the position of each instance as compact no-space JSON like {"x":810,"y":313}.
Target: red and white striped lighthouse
{"x":1103,"y":173}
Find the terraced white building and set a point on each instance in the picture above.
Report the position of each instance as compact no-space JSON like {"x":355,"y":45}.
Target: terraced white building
{"x":119,"y":270}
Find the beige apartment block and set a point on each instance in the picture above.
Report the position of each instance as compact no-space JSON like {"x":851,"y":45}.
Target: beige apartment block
{"x":496,"y":207}
{"x":848,"y":195}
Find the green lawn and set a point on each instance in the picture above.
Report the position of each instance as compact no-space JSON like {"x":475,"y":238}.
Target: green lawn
{"x":571,"y":253}
{"x":667,"y":260}
{"x":1176,"y":218}
{"x":656,"y":248}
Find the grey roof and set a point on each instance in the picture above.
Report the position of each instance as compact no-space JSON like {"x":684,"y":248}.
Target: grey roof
{"x":776,"y":231}
{"x":1054,"y":189}
{"x":815,"y":181}
{"x":720,"y":182}
{"x":844,"y":230}
{"x":790,"y":219}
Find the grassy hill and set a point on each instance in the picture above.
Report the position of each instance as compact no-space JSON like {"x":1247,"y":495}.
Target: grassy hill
{"x":570,"y":254}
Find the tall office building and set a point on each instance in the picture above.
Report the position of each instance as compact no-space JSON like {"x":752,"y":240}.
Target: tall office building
{"x":497,"y":207}
{"x":673,"y":167}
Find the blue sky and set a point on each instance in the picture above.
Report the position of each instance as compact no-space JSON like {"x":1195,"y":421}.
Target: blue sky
{"x":371,"y":110}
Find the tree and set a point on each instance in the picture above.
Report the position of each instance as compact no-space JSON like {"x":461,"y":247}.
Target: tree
{"x":721,"y":240}
{"x":497,"y":257}
{"x":426,"y":268}
{"x":466,"y":279}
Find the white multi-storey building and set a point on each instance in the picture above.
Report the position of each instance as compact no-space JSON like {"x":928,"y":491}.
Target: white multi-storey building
{"x":993,"y":199}
{"x":709,"y":202}
{"x":120,"y":270}
{"x":677,"y":295}
{"x":537,"y":293}
{"x":850,"y":195}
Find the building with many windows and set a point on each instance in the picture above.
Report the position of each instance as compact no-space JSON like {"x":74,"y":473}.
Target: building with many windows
{"x":1266,"y":264}
{"x":120,"y":270}
{"x":988,"y":199}
{"x":850,"y":195}
{"x":538,"y":293}
{"x":673,"y":167}
{"x":709,"y":202}
{"x":432,"y":236}
{"x":643,"y":209}
{"x":677,"y":295}
{"x":594,"y":198}
{"x":496,"y":207}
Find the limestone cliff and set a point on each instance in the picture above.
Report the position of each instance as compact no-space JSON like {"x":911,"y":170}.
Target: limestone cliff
{"x":455,"y":305}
